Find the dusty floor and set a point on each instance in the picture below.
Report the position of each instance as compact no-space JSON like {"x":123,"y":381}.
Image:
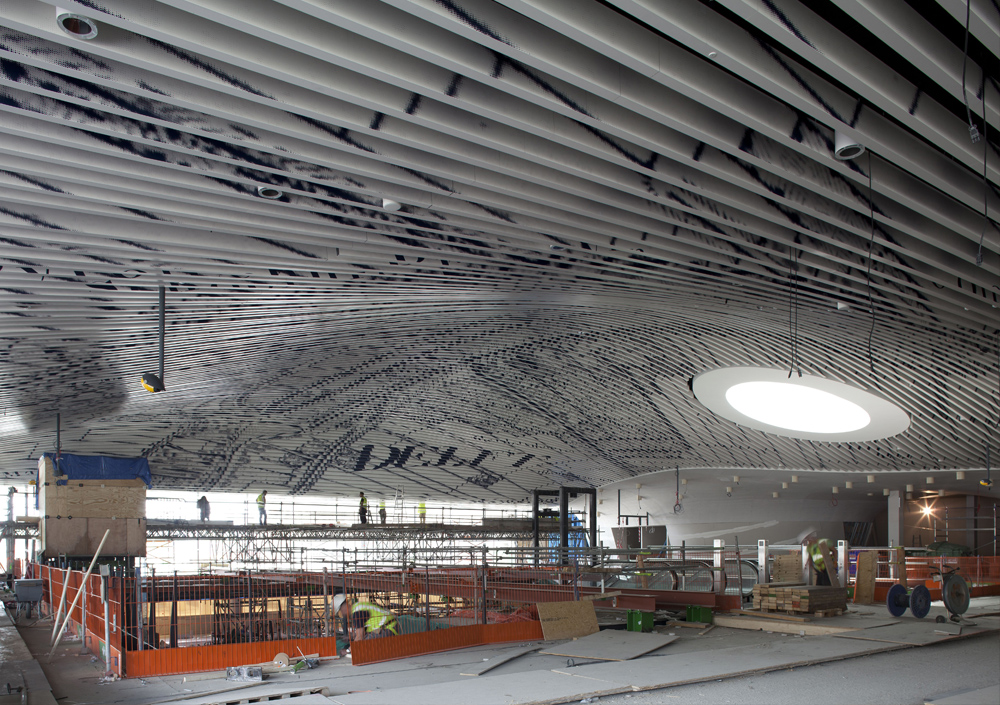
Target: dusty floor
{"x":888,"y":673}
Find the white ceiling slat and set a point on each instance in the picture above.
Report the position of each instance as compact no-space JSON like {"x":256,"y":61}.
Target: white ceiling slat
{"x":593,"y":211}
{"x":804,"y":33}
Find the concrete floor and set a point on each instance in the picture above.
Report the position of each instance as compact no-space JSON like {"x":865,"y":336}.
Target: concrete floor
{"x":909,"y":676}
{"x":885,"y":673}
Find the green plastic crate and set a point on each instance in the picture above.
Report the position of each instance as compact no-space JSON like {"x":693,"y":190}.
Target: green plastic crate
{"x":699,"y":614}
{"x":639,"y":621}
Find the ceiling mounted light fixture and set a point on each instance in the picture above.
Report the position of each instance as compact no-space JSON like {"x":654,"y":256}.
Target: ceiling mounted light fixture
{"x":844,"y":148}
{"x":806,"y":407}
{"x":75,"y":25}
{"x":269,"y":192}
{"x":390,"y":205}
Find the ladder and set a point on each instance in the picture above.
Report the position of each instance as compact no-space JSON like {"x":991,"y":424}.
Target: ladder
{"x":397,"y":506}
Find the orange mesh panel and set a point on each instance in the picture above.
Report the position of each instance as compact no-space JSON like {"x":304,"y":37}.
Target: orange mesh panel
{"x":389,"y":648}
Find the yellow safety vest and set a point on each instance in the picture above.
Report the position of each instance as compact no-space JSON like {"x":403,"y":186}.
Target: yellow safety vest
{"x":817,"y":556}
{"x":378,"y":618}
{"x":261,"y":499}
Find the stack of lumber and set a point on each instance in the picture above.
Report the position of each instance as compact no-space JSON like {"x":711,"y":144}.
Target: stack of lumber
{"x":787,"y":569}
{"x":774,"y":597}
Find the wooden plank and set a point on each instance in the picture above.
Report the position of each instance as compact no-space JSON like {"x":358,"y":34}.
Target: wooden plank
{"x":95,"y":499}
{"x":768,"y":625}
{"x":770,"y":615}
{"x":567,"y":620}
{"x":601,"y":595}
{"x":81,"y":536}
{"x":787,"y":569}
{"x":692,"y":625}
{"x":611,"y":645}
{"x":134,"y":482}
{"x":490,"y":664}
{"x":135,"y":541}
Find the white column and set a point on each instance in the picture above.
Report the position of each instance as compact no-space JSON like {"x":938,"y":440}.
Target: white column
{"x":895,"y":504}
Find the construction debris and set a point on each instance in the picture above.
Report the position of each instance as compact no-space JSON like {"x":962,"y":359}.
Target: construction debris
{"x":244,"y":674}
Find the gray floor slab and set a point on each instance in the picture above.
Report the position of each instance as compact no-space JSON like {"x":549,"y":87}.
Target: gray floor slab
{"x":532,"y":687}
{"x":610,"y":645}
{"x":488,"y":664}
{"x":578,"y":683}
{"x":670,"y":669}
{"x":981,"y":696}
{"x":261,"y":693}
{"x":915,"y":633}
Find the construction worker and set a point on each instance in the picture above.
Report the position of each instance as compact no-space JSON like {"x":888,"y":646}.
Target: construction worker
{"x":363,"y":509}
{"x":381,"y":509}
{"x":365,"y":620}
{"x":203,"y":507}
{"x":816,"y":558}
{"x":422,"y":512}
{"x":261,"y":509}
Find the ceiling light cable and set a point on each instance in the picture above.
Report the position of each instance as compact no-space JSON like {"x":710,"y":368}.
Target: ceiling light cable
{"x":973,"y":131}
{"x":793,"y":312}
{"x":871,"y":244}
{"x":986,"y":184}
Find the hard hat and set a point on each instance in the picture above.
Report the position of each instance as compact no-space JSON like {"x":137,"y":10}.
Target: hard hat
{"x":338,"y":601}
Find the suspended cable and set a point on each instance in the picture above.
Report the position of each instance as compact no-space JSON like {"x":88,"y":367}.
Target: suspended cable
{"x":973,"y":130}
{"x":793,"y":312}
{"x":871,"y":244}
{"x":986,"y":184}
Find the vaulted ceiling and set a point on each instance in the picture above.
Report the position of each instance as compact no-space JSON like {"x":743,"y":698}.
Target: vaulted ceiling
{"x":599,"y":200}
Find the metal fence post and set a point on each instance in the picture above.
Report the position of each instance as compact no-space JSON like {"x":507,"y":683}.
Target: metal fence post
{"x":842,"y":568}
{"x":427,"y":596}
{"x":719,"y":565}
{"x":763,"y":563}
{"x":326,"y":604}
{"x":484,"y":585}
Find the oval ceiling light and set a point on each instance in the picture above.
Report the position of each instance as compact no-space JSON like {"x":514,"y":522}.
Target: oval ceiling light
{"x":390,"y":205}
{"x":806,"y":407}
{"x":75,"y":25}
{"x":269,"y":192}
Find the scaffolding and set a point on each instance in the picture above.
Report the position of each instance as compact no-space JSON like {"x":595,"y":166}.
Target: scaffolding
{"x":943,"y":533}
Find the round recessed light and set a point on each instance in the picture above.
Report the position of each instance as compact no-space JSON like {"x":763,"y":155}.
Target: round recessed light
{"x":844,"y":148}
{"x":269,"y":192}
{"x":806,"y":407}
{"x":75,"y":25}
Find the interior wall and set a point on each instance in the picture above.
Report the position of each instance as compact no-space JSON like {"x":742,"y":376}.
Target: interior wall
{"x":776,"y":520}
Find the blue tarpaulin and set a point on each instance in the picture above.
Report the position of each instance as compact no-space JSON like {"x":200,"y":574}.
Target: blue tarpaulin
{"x":101,"y":467}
